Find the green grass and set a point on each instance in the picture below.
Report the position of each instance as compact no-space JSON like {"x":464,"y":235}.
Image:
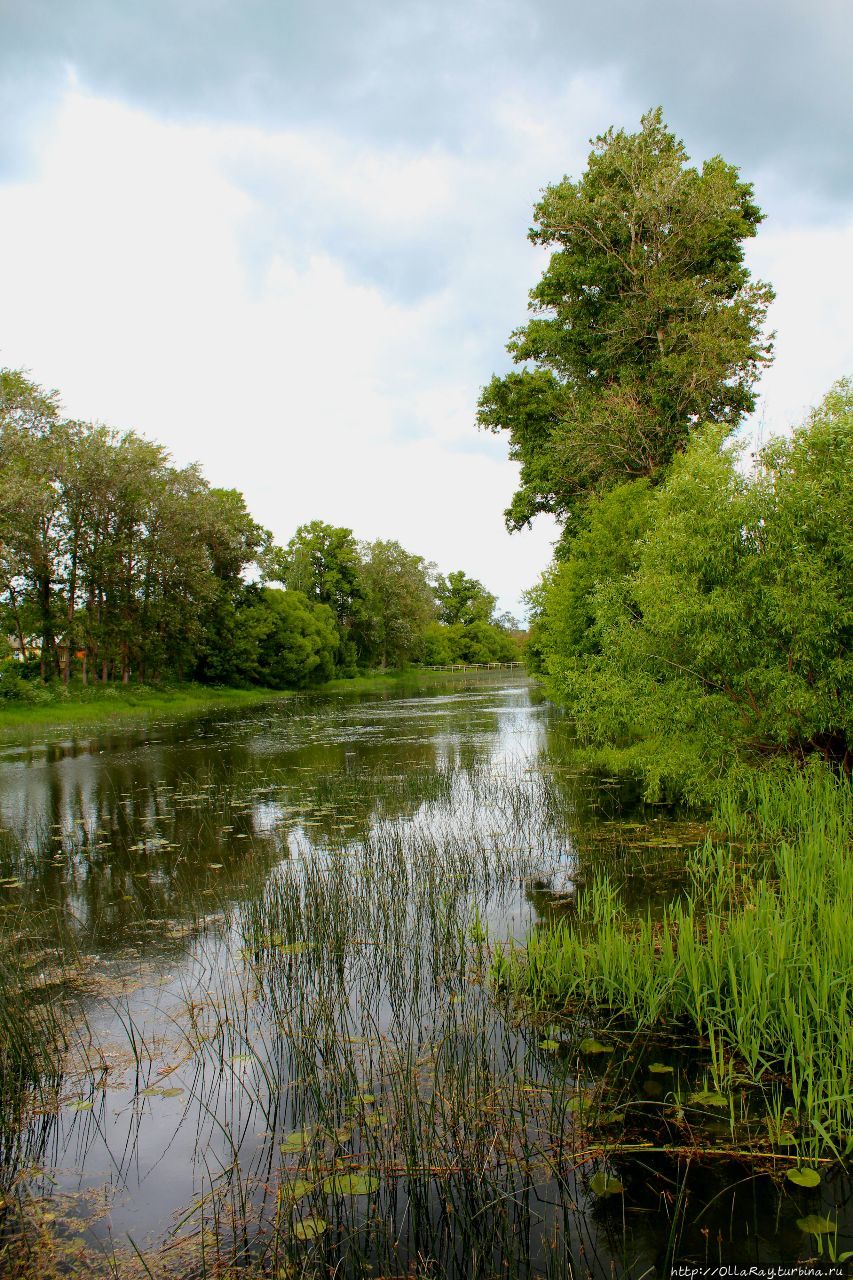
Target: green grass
{"x":94,"y":704}
{"x":756,"y":955}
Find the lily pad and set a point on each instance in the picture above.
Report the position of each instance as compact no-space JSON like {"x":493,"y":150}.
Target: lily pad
{"x":594,"y":1046}
{"x":79,"y":1104}
{"x":804,"y":1177}
{"x":240,"y":1059}
{"x":351,"y":1184}
{"x":707,"y":1098}
{"x":602,"y":1184}
{"x":815,"y":1225}
{"x":296,"y":1141}
{"x":309,"y":1228}
{"x":660,"y":1069}
{"x":551,"y":1046}
{"x":295,"y":1189}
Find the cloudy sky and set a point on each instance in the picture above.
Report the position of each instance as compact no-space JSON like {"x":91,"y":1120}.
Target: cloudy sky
{"x":287,"y":239}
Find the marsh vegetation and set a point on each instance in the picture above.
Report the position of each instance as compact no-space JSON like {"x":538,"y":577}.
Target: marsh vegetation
{"x":257,"y":1017}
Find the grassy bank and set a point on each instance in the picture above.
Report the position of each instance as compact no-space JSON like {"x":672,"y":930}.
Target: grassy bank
{"x":754,"y":957}
{"x":94,"y":704}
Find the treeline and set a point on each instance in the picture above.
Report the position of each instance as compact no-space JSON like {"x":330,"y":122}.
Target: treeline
{"x":117,"y":566}
{"x":698,"y":612}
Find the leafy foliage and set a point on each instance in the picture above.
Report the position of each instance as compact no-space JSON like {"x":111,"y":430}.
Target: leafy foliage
{"x":644,"y":323}
{"x":711,"y":618}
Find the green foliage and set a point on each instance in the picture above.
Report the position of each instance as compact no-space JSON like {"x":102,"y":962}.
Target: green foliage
{"x":710,"y":619}
{"x":324,"y":562}
{"x":462,"y":599}
{"x":297,"y":640}
{"x":645,"y":321}
{"x":399,"y":604}
{"x":757,"y":955}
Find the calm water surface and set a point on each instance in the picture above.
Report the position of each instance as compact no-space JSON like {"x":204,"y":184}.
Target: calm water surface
{"x":280,"y":921}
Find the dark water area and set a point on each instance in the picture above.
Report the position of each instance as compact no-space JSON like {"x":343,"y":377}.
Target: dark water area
{"x":271,"y":932}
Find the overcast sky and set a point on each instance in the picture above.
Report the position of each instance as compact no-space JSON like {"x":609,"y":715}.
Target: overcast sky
{"x":288,"y":239}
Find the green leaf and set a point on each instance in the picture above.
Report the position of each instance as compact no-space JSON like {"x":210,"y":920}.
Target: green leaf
{"x":660,"y":1069}
{"x":295,"y":1189}
{"x":594,"y":1046}
{"x":602,"y":1184}
{"x":351,"y":1184}
{"x":551,"y":1046}
{"x":804,"y":1177}
{"x":816,"y":1226}
{"x":707,"y":1098}
{"x":78,"y":1104}
{"x":311,"y":1227}
{"x":296,"y":1141}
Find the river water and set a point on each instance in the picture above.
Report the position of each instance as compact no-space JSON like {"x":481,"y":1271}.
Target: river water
{"x":271,"y":933}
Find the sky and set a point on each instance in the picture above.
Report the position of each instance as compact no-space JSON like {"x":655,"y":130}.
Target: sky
{"x":288,"y":240}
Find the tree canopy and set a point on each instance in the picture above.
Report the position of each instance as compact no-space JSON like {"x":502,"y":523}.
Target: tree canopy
{"x":645,"y":321}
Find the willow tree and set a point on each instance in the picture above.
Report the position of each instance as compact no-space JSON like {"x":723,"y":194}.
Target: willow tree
{"x":644,"y":323}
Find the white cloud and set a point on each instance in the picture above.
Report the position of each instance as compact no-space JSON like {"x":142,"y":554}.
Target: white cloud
{"x":125,"y":285}
{"x":221,"y":290}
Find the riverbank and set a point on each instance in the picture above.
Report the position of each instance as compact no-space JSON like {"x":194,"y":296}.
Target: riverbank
{"x":94,"y":705}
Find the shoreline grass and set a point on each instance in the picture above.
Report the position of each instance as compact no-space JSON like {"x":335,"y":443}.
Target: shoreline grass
{"x":755,"y":955}
{"x":94,"y":705}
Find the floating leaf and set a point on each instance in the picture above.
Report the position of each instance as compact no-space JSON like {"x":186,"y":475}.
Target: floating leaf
{"x":814,"y":1225}
{"x":296,"y":1141}
{"x":804,"y":1177}
{"x":309,"y":1228}
{"x":242,"y":1058}
{"x":295,"y":1189}
{"x":602,"y":1184}
{"x":366,"y":1098}
{"x":612,"y":1117}
{"x":292,"y":948}
{"x":78,"y":1104}
{"x":171,"y":1093}
{"x":375,"y":1119}
{"x":351,"y":1184}
{"x":707,"y":1098}
{"x":550,"y":1045}
{"x":594,"y":1046}
{"x":660,"y":1069}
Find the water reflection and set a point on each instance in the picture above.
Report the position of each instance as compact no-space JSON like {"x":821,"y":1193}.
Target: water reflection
{"x":278,"y":923}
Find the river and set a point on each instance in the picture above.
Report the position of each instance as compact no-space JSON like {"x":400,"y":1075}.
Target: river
{"x":270,"y":932}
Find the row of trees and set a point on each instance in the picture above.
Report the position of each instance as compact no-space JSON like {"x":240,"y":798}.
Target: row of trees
{"x":116,"y":565}
{"x":698,"y":611}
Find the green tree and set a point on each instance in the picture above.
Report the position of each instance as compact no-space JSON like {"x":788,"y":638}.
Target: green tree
{"x":323,"y":561}
{"x":463,"y":599}
{"x":727,"y":633}
{"x":297,"y":640}
{"x":399,"y":603}
{"x":645,"y":322}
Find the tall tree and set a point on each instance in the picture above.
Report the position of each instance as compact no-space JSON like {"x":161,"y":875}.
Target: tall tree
{"x":463,"y":599}
{"x":400,"y":602}
{"x":645,"y":321}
